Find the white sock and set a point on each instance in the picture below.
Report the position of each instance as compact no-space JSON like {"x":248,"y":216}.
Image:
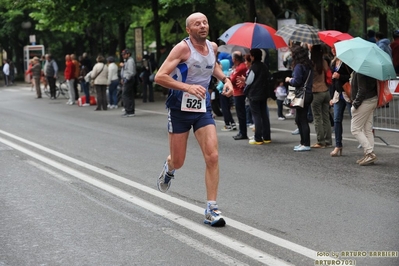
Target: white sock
{"x":170,"y":172}
{"x":209,"y":203}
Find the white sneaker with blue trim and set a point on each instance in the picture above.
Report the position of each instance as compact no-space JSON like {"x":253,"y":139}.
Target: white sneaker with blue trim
{"x":213,"y":216}
{"x":164,"y":179}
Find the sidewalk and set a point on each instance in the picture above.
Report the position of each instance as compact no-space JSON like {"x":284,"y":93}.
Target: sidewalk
{"x":392,"y":138}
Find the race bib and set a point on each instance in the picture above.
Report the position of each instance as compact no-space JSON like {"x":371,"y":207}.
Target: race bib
{"x":191,"y":103}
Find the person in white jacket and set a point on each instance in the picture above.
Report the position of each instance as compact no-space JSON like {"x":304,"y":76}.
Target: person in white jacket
{"x":6,"y":71}
{"x":281,"y":94}
{"x":113,"y":81}
{"x":100,"y":76}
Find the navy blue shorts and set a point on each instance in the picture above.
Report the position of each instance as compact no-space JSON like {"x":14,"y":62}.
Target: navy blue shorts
{"x":180,"y":122}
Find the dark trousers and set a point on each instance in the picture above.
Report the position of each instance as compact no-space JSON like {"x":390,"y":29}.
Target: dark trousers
{"x":261,"y":120}
{"x":225,"y":105}
{"x":6,"y":80}
{"x":101,"y":91}
{"x":147,"y":84}
{"x":301,"y":119}
{"x":37,"y":87}
{"x":128,"y":96}
{"x":86,"y":89}
{"x":51,"y":84}
{"x":249,"y":114}
{"x":280,"y":108}
{"x":241,"y":114}
{"x":339,"y":108}
{"x":113,"y":92}
{"x":75,"y":87}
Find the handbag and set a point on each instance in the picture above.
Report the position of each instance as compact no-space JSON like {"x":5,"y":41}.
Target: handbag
{"x":92,"y":80}
{"x":347,"y":85}
{"x":384,"y":94}
{"x":296,"y":99}
{"x":347,"y":89}
{"x":328,"y":77}
{"x":288,"y":99}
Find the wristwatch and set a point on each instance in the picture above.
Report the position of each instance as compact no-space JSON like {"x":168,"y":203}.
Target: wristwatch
{"x":224,"y":79}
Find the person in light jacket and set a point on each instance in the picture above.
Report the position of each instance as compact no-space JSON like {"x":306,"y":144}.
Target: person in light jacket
{"x":100,"y":76}
{"x":364,"y":97}
{"x":113,"y":81}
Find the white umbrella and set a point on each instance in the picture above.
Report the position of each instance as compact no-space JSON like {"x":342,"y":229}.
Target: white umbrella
{"x":229,"y":48}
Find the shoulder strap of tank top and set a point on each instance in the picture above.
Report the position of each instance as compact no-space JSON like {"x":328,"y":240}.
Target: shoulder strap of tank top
{"x":189,"y":43}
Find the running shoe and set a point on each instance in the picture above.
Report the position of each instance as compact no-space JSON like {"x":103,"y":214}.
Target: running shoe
{"x":164,"y":179}
{"x":370,"y":158}
{"x":213,"y":216}
{"x":297,"y":147}
{"x":254,"y":142}
{"x":303,"y":148}
{"x":227,"y":128}
{"x":233,"y":126}
{"x":128,"y":115}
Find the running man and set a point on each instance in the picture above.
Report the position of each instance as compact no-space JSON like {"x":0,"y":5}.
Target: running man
{"x":187,"y":71}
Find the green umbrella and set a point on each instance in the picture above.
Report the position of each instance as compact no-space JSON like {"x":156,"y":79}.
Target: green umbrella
{"x":365,"y":58}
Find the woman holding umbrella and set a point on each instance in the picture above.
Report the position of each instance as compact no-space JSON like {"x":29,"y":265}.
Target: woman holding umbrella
{"x":364,"y":95}
{"x":341,"y":74}
{"x":369,"y":64}
{"x":302,"y":72}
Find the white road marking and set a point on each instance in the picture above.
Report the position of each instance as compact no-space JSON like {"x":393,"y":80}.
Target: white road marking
{"x":189,"y":241}
{"x":49,"y":171}
{"x":233,"y":223}
{"x":231,"y":243}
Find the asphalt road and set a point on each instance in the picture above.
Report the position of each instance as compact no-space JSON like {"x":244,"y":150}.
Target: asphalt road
{"x":78,"y":187}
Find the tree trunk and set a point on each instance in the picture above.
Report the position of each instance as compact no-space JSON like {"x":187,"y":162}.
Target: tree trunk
{"x":251,"y":10}
{"x":122,"y":38}
{"x":383,"y":24}
{"x":157,"y":26}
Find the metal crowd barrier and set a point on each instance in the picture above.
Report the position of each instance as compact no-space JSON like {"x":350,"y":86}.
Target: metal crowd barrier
{"x":386,"y":118}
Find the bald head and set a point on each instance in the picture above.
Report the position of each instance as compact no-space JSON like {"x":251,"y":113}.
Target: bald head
{"x":237,"y":53}
{"x":237,"y":58}
{"x":193,"y":17}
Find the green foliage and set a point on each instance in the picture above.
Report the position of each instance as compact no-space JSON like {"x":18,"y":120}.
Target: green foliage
{"x":80,"y":25}
{"x":392,"y":11}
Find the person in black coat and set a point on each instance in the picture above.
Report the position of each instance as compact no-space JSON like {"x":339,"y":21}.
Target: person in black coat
{"x":256,"y":90}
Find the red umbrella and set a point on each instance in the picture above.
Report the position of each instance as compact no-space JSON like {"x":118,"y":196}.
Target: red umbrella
{"x":330,"y":37}
{"x":253,"y":35}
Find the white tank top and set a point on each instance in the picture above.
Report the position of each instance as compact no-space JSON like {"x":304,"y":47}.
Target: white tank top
{"x":198,"y":69}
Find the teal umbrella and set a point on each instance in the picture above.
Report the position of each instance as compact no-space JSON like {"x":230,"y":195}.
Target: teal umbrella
{"x":365,"y":58}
